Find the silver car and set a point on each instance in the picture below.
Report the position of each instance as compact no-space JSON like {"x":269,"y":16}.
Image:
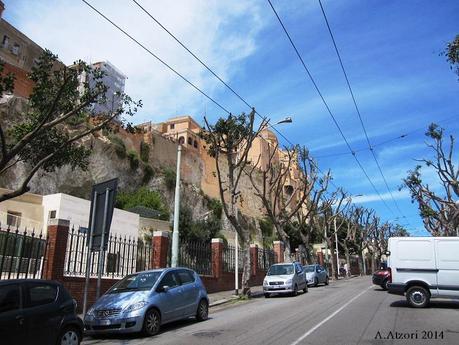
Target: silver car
{"x":316,"y":274}
{"x":144,"y":301}
{"x":286,"y":278}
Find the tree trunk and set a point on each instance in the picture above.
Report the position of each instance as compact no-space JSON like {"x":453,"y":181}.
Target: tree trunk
{"x":284,"y":237}
{"x":332,"y":259}
{"x":362,"y":263}
{"x":348,"y":258}
{"x":245,"y":267}
{"x":305,"y":240}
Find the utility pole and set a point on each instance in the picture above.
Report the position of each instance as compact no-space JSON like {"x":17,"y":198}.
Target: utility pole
{"x":175,"y":233}
{"x":336,"y":245}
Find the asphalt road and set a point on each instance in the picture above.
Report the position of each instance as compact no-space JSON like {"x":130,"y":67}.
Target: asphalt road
{"x":346,"y":312}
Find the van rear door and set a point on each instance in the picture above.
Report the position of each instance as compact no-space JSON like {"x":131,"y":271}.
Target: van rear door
{"x":447,"y":257}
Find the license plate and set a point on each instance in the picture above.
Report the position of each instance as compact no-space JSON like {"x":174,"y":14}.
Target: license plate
{"x":104,"y":322}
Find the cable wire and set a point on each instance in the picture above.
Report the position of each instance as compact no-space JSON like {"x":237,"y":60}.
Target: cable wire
{"x":206,"y":66}
{"x":157,"y":57}
{"x":358,"y":110}
{"x":328,"y":108}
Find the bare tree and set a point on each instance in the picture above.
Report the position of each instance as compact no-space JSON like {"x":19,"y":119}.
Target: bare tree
{"x":230,"y":140}
{"x":331,"y":209}
{"x":281,"y":204}
{"x":438,"y":207}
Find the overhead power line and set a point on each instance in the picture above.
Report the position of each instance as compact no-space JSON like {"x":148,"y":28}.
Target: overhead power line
{"x":358,"y":110}
{"x":157,"y":57}
{"x":206,"y":66}
{"x":328,"y":108}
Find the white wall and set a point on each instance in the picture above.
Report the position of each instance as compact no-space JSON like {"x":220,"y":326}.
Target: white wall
{"x":76,"y":211}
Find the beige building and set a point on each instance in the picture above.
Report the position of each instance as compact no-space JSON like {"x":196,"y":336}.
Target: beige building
{"x":23,"y":212}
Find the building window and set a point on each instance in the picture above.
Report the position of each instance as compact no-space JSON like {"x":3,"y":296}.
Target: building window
{"x":195,"y":144}
{"x":15,"y":49}
{"x":13,"y":218}
{"x":172,"y":126}
{"x":5,"y":41}
{"x":190,"y":141}
{"x":52,"y":214}
{"x":181,"y":140}
{"x":288,"y":190}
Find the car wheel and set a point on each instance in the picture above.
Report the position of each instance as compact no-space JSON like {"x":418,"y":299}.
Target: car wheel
{"x":203,"y":310}
{"x":384,"y":284}
{"x":316,"y":281}
{"x":295,"y":290}
{"x":417,"y":297}
{"x":152,"y":322}
{"x":326,"y":281}
{"x":267,"y":295}
{"x":305,"y":288}
{"x":69,"y":336}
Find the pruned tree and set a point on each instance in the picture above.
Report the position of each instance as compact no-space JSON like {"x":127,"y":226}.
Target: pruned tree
{"x":45,"y":136}
{"x":229,"y":140}
{"x":330,"y":214}
{"x":349,"y":231}
{"x":282,"y":201}
{"x":452,"y":54}
{"x":438,"y":205}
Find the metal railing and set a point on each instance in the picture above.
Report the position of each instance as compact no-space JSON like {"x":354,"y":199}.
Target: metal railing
{"x":265,"y":258}
{"x":197,"y":256}
{"x":124,"y":255}
{"x":22,"y":253}
{"x":229,"y":258}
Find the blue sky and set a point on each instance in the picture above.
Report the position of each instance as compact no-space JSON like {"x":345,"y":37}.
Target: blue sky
{"x":390,"y":50}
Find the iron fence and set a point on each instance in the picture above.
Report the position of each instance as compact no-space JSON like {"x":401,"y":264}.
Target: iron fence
{"x":265,"y":258}
{"x":197,"y":256}
{"x":229,"y":258}
{"x":124,"y":255}
{"x":22,"y":253}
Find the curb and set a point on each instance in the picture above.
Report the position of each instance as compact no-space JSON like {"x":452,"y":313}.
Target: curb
{"x":233,"y":297}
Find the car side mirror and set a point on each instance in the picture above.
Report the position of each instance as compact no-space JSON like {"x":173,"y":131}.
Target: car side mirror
{"x":387,"y":253}
{"x":164,"y":288}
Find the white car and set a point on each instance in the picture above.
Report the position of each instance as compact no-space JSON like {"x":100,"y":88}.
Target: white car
{"x":285,"y":278}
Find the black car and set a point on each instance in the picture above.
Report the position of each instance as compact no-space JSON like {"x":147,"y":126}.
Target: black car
{"x":40,"y":312}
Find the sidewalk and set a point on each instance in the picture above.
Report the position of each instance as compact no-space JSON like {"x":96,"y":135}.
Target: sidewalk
{"x":221,"y":297}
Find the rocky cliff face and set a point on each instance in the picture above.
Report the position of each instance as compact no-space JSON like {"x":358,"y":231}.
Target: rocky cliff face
{"x":105,"y":164}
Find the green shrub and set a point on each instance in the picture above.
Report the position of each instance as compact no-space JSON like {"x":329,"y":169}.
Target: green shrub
{"x":144,"y":152}
{"x":133,"y":159}
{"x":118,"y":144}
{"x":142,"y":197}
{"x":169,"y":178}
{"x":216,"y":207}
{"x":148,"y":173}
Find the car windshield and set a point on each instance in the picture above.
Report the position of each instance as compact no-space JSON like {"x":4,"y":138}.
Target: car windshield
{"x":309,"y":268}
{"x":136,"y":282}
{"x":277,"y":270}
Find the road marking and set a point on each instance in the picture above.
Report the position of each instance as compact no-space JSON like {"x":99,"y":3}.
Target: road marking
{"x":296,"y":342}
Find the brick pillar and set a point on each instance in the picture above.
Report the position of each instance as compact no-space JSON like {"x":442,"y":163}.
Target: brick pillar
{"x":253,"y":259}
{"x":320,"y":258}
{"x":217,"y":257}
{"x":160,"y":242}
{"x":58,"y":233}
{"x":278,"y":247}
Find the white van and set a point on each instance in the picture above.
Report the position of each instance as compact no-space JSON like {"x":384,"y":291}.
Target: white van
{"x":424,"y":268}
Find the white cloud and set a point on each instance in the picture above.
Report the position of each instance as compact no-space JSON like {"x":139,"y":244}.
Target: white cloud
{"x":403,"y":194}
{"x":221,"y":33}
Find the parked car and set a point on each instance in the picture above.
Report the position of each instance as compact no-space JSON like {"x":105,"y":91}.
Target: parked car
{"x":144,"y":301}
{"x":316,"y":274}
{"x":34,"y":311}
{"x":382,"y":277}
{"x":285,"y":278}
{"x":423,"y":268}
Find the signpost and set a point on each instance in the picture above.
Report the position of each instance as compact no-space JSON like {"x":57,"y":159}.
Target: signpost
{"x":100,"y":218}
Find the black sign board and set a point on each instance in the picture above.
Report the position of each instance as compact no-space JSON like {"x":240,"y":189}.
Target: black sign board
{"x":102,"y":200}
